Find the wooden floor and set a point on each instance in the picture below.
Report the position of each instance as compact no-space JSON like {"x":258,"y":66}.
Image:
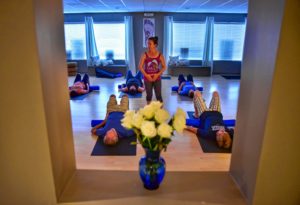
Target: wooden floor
{"x":184,"y":152}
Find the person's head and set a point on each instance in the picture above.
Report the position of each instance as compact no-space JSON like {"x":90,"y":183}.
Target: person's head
{"x":111,"y":137}
{"x":223,"y":139}
{"x":152,"y":42}
{"x":73,"y":93}
{"x":191,"y":93}
{"x":132,"y":90}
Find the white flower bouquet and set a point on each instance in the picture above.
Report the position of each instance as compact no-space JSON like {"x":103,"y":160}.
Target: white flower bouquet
{"x":154,"y":126}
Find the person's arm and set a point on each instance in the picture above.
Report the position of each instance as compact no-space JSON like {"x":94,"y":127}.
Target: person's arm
{"x":198,"y":131}
{"x":141,"y":67}
{"x":95,"y":128}
{"x":163,"y":65}
{"x":124,"y":89}
{"x":192,"y":129}
{"x":163,"y":68}
{"x":180,"y":87}
{"x":141,"y":89}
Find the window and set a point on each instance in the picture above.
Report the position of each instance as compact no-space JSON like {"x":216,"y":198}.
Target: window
{"x":110,"y":39}
{"x":188,"y":40}
{"x":228,"y":41}
{"x":75,"y":41}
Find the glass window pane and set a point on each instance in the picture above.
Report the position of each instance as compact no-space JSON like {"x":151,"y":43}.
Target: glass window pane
{"x":75,"y":41}
{"x":229,"y":41}
{"x":188,"y":40}
{"x":110,"y":38}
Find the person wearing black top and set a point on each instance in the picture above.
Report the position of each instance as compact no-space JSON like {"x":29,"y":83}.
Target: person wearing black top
{"x":134,"y":84}
{"x":211,"y":121}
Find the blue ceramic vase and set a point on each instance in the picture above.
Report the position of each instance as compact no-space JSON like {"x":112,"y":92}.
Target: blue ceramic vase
{"x":152,"y":169}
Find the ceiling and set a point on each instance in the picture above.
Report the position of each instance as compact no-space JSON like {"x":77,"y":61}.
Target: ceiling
{"x":186,"y":6}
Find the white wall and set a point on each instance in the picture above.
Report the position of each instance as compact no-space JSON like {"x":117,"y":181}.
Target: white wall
{"x":264,"y":161}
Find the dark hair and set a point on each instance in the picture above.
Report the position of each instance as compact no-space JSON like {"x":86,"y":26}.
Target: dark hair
{"x":73,"y":93}
{"x":132,"y":91}
{"x":154,"y":39}
{"x":191,"y":94}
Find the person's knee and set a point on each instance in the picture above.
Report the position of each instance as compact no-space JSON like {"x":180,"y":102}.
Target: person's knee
{"x":112,"y":96}
{"x":197,"y":94}
{"x":215,"y":94}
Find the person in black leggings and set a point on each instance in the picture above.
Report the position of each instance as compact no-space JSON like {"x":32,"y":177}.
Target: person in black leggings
{"x":134,"y":84}
{"x":80,"y":86}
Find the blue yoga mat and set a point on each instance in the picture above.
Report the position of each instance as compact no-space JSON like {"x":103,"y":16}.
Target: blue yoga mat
{"x":196,"y":122}
{"x":175,"y":88}
{"x":166,"y":77}
{"x":138,"y":95}
{"x":79,"y":97}
{"x":184,"y":98}
{"x":210,"y":146}
{"x":122,"y":148}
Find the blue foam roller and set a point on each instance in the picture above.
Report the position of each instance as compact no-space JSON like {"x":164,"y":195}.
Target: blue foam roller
{"x":94,"y":87}
{"x":175,"y":88}
{"x":121,"y":86}
{"x":196,"y":122}
{"x":95,"y":122}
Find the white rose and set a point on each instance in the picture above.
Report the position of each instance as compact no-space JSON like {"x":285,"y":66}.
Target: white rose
{"x":137,"y":120}
{"x":164,"y":130}
{"x":148,"y":111}
{"x":156,"y":105}
{"x":180,"y":112}
{"x":161,"y":116}
{"x":126,"y":122}
{"x":148,"y":129}
{"x":129,"y":113}
{"x":179,"y":123}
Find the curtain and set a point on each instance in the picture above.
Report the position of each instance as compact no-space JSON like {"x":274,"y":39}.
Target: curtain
{"x":92,"y":55}
{"x":167,"y":47}
{"x":129,"y":44}
{"x":208,"y":43}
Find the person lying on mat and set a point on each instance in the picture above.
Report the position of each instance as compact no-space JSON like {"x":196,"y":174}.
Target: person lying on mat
{"x":80,"y":86}
{"x":134,"y":84}
{"x":111,"y":129}
{"x":186,"y":87}
{"x":211,"y":121}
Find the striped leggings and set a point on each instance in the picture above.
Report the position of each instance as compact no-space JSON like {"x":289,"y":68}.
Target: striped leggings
{"x":200,"y":105}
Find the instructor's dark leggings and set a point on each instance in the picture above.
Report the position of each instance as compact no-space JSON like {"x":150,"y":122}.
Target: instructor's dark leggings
{"x":157,"y":89}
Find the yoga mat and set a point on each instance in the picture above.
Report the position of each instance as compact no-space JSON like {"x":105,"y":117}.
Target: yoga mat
{"x":232,"y":77}
{"x":80,"y":97}
{"x":122,"y":148}
{"x":166,"y":77}
{"x":175,"y":88}
{"x":195,"y":121}
{"x":210,"y":146}
{"x":185,"y":98}
{"x":138,"y":95}
{"x":92,"y":87}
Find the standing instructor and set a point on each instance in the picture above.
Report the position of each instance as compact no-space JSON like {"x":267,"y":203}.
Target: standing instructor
{"x":152,"y":65}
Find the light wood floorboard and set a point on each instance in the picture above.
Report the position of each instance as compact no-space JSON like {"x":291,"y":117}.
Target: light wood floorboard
{"x":183,"y":154}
